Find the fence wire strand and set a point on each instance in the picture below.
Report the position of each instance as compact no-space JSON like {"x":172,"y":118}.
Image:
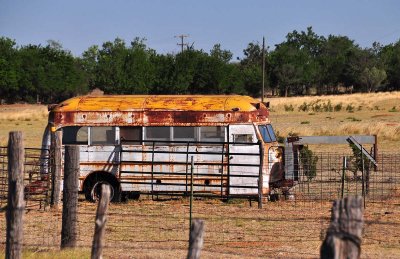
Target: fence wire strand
{"x":293,"y":226}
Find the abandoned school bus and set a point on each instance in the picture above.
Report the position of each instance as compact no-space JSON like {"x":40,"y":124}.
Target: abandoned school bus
{"x":145,"y":144}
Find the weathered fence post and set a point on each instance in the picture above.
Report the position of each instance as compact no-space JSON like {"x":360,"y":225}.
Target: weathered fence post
{"x":343,"y":237}
{"x":196,"y":239}
{"x":343,"y":174}
{"x":100,"y":223}
{"x":191,"y":191}
{"x":56,"y":151}
{"x":16,"y":203}
{"x":260,"y":177}
{"x":70,"y":197}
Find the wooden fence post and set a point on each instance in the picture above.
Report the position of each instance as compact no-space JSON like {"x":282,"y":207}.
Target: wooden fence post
{"x":196,"y":239}
{"x":343,"y":237}
{"x":70,"y":197}
{"x":16,"y":203}
{"x":56,"y":151}
{"x":100,"y":223}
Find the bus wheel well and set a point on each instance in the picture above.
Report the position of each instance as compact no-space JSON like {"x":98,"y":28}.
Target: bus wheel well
{"x":92,"y":186}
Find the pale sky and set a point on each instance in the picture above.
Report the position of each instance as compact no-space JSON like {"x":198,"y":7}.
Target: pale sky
{"x":80,"y":24}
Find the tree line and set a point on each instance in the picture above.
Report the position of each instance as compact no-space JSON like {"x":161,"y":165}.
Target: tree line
{"x":305,"y":63}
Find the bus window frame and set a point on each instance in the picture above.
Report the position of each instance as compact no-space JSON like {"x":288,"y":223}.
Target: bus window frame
{"x":267,"y":128}
{"x":114,"y":130}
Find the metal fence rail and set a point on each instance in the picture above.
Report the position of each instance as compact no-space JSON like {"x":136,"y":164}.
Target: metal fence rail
{"x":36,"y":175}
{"x":332,"y":179}
{"x":293,"y":229}
{"x":163,"y":167}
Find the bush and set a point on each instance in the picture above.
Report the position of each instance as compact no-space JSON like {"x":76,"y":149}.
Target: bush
{"x":289,"y":108}
{"x":304,"y":107}
{"x":350,"y":108}
{"x":328,"y":106}
{"x":309,"y":163}
{"x":338,"y":107}
{"x":279,"y":138}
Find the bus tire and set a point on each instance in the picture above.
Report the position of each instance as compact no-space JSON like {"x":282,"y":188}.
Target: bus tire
{"x":93,"y":189}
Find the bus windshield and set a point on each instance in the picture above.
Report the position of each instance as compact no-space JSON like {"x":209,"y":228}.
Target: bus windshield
{"x":267,"y":133}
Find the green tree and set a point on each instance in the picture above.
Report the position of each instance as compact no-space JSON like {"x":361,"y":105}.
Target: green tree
{"x":295,"y":66}
{"x":390,"y":56}
{"x":9,"y":64}
{"x":251,"y":66}
{"x":89,"y":64}
{"x":371,"y":78}
{"x":287,"y":68}
{"x":220,"y":54}
{"x":122,"y":70}
{"x":52,"y":74}
{"x":164,"y":75}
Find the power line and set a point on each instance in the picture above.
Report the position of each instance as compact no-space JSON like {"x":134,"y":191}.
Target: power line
{"x":182,"y":36}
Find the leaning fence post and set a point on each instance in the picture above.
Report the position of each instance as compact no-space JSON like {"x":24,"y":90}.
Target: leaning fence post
{"x":196,"y":239}
{"x":16,"y":203}
{"x":56,"y":151}
{"x":70,"y":197}
{"x":343,"y":237}
{"x":100,"y":223}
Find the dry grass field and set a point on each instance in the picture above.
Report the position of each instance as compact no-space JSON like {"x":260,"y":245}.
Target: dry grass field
{"x":357,"y":114}
{"x":149,"y":229}
{"x":30,"y":119}
{"x":159,"y":229}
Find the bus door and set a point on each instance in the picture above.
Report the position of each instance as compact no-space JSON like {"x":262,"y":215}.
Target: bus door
{"x":244,"y":160}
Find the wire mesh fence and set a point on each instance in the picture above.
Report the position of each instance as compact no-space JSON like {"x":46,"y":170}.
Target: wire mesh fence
{"x":147,"y":228}
{"x":37,"y":177}
{"x":292,"y":226}
{"x":334,"y":176}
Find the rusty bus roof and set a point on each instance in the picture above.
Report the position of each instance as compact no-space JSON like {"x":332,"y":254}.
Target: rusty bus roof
{"x":159,"y":102}
{"x":158,"y":110}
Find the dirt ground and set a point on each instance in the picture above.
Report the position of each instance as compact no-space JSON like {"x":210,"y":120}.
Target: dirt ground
{"x":159,"y":229}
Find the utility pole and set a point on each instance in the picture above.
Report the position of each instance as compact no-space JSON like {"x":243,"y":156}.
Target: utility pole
{"x":263,"y":70}
{"x":182,"y":36}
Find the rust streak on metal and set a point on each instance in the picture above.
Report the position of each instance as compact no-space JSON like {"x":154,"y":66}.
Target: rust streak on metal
{"x":158,"y":110}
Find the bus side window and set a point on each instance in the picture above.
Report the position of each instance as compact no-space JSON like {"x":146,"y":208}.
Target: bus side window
{"x":102,"y":136}
{"x":158,"y":133}
{"x":212,"y":133}
{"x":75,"y":135}
{"x":242,"y":138}
{"x":131,"y":135}
{"x":184,"y":133}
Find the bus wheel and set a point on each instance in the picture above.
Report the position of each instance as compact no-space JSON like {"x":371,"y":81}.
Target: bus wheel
{"x":93,"y":193}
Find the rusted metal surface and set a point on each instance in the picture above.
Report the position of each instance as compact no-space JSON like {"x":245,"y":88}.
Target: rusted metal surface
{"x":228,"y":169}
{"x":158,"y":110}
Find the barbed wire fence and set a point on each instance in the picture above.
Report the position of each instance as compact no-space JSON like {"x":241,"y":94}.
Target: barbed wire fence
{"x":292,"y":226}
